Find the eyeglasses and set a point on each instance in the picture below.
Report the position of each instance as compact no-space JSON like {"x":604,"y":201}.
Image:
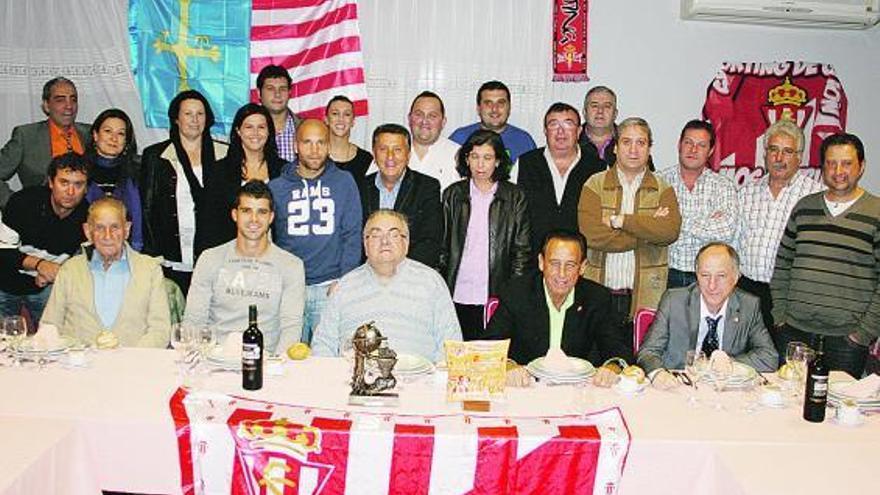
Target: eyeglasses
{"x":786,"y":152}
{"x":565,"y":124}
{"x":393,"y":235}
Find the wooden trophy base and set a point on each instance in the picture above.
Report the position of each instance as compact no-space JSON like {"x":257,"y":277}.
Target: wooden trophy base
{"x":384,"y":399}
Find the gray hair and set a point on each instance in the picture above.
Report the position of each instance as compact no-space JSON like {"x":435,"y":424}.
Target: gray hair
{"x":787,"y":127}
{"x":389,"y":213}
{"x":599,"y":89}
{"x":636,"y":122}
{"x":731,"y":252}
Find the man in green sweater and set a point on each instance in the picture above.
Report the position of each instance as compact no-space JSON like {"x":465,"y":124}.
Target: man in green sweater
{"x":826,"y":277}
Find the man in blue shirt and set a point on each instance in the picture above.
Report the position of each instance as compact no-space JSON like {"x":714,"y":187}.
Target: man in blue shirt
{"x":493,"y":106}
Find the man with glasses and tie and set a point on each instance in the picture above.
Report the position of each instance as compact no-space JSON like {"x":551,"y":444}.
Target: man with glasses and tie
{"x":709,"y":315}
{"x":32,"y":146}
{"x":765,"y":205}
{"x":408,"y":301}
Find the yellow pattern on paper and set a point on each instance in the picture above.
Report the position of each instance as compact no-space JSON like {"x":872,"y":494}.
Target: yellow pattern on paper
{"x":477,"y":369}
{"x":273,"y":475}
{"x":182,"y":49}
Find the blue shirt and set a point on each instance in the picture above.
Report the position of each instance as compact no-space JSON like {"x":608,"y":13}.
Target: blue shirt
{"x":109,"y":286}
{"x":388,"y":198}
{"x":516,"y":141}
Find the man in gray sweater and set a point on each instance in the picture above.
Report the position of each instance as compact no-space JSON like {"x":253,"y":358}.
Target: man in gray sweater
{"x":249,"y":270}
{"x":826,"y":278}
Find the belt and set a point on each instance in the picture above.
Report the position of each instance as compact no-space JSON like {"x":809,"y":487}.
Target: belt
{"x":621,"y":292}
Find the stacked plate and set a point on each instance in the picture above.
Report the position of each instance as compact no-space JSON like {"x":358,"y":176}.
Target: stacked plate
{"x":31,"y":349}
{"x":412,"y":365}
{"x":576,"y":371}
{"x":215,"y":357}
{"x":743,"y":376}
{"x":837,"y":393}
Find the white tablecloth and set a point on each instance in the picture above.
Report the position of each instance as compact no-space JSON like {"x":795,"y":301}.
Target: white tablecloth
{"x":119,"y":404}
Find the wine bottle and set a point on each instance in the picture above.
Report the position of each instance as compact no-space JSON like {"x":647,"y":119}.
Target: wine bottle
{"x":816,"y":390}
{"x":252,"y":353}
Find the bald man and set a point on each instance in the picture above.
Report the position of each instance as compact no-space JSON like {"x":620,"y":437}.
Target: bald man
{"x":110,"y":290}
{"x":318,"y":217}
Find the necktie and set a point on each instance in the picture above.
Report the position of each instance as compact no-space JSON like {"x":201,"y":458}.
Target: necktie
{"x":710,"y":342}
{"x":69,"y":141}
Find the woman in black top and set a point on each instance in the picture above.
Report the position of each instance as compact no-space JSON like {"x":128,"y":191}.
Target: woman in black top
{"x":175,"y":174}
{"x":339,"y":116}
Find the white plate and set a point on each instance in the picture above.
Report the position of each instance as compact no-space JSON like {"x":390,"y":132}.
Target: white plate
{"x":215,"y":355}
{"x":617,"y":388}
{"x":834,"y":390}
{"x":580,"y":368}
{"x":412,"y":364}
{"x":28,"y":346}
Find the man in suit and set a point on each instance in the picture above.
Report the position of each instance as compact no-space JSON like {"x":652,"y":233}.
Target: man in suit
{"x":397,"y":187}
{"x":32,"y":146}
{"x":557,"y":308}
{"x":709,"y":315}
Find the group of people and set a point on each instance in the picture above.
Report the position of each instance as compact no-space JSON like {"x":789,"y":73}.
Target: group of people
{"x":482,"y":235}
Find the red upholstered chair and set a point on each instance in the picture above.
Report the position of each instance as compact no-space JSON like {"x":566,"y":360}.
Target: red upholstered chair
{"x":641,"y":323}
{"x":491,"y":306}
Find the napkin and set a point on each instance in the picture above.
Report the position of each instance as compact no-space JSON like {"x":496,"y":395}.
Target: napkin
{"x":8,"y":237}
{"x":866,"y":388}
{"x":556,"y":361}
{"x":47,"y":337}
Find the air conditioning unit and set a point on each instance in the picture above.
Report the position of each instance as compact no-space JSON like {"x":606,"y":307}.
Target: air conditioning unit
{"x":832,"y":14}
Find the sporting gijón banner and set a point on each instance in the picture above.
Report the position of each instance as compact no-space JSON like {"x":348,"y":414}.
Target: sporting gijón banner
{"x":239,"y":446}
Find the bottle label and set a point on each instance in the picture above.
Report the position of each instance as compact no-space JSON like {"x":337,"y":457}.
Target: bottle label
{"x":250,"y":352}
{"x":820,"y":386}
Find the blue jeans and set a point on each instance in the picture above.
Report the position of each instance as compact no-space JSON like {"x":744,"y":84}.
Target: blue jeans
{"x":316,"y":299}
{"x":10,"y":304}
{"x":840,"y":353}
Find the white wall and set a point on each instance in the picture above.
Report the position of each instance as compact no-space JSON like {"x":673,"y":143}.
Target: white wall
{"x":659,"y":65}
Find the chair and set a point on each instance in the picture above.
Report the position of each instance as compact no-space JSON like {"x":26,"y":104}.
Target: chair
{"x":491,"y":306}
{"x":641,"y":323}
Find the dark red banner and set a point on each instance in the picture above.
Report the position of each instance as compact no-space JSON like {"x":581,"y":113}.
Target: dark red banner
{"x":570,"y":40}
{"x":746,"y":98}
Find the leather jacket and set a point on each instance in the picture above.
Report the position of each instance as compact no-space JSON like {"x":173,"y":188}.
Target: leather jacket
{"x":509,"y":233}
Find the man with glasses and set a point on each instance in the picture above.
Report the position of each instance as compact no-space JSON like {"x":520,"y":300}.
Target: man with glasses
{"x":412,"y":193}
{"x":707,"y":201}
{"x":408,"y":301}
{"x":765,"y":206}
{"x":249,"y":269}
{"x":493,"y":106}
{"x":552,"y":176}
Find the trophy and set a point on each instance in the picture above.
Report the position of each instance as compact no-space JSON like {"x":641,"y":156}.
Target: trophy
{"x":371,"y":348}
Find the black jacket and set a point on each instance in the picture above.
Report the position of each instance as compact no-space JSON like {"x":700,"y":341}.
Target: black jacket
{"x":418,"y":199}
{"x":509,"y":233}
{"x":535,"y":180}
{"x":159,"y":196}
{"x":522,"y":316}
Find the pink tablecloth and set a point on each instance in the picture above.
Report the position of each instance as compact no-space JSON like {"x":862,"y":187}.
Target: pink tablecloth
{"x":120,"y":407}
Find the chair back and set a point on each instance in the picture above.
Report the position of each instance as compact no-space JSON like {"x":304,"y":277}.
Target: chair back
{"x":641,"y":323}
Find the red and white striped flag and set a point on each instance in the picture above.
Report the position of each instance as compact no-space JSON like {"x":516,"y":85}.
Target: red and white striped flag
{"x":246,"y":447}
{"x":319,"y":43}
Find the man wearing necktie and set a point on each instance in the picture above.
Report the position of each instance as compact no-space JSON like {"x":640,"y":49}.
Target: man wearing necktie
{"x":708,"y":315}
{"x":32,"y":146}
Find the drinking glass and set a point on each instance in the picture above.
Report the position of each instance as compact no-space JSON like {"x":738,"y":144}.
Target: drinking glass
{"x":181,"y":340}
{"x":719,"y":374}
{"x":204,"y":339}
{"x":695,"y":365}
{"x":798,"y":356}
{"x":15,"y":328}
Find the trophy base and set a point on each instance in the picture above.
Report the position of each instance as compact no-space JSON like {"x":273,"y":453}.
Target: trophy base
{"x":385,"y":399}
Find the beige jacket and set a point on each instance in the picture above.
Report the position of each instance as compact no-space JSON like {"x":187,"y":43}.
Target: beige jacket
{"x":648,"y":236}
{"x":143,"y":319}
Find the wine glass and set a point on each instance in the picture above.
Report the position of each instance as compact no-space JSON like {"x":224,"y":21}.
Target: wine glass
{"x":797,"y":355}
{"x":204,"y":339}
{"x":15,"y":328}
{"x":719,"y":373}
{"x":695,"y":366}
{"x":181,"y":340}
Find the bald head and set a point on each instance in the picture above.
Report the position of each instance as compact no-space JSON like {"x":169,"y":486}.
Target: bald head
{"x":312,"y":147}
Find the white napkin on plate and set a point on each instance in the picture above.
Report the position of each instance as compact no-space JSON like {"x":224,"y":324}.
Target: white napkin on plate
{"x":866,"y":388}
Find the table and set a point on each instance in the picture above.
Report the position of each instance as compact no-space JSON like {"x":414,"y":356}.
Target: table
{"x":119,"y":406}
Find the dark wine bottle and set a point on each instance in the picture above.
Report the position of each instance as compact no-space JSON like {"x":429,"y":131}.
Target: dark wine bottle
{"x":252,"y":353}
{"x":816,"y":390}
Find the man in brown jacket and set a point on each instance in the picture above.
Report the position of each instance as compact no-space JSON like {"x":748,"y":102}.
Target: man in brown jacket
{"x":629,"y":217}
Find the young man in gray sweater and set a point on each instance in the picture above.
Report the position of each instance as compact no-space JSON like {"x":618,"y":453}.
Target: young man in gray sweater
{"x":249,"y":270}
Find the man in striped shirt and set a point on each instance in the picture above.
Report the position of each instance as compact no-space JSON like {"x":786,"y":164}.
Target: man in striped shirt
{"x":765,"y":206}
{"x":827,"y":276}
